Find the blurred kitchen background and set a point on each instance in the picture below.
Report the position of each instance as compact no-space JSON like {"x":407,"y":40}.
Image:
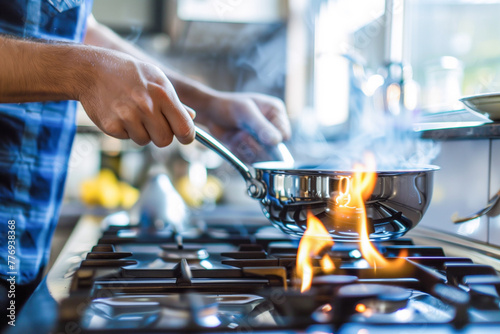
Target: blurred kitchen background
{"x":349,"y":71}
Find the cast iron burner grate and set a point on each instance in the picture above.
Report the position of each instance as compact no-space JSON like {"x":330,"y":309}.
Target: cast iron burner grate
{"x":236,"y":278}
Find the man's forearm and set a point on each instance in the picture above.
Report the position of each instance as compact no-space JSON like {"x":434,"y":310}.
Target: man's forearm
{"x":36,"y":71}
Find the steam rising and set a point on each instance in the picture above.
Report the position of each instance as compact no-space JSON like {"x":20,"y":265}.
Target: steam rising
{"x":390,"y":138}
{"x":260,"y":68}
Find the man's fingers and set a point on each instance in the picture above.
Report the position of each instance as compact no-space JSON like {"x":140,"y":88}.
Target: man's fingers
{"x":159,"y":129}
{"x":264,"y":131}
{"x":128,"y":123}
{"x":180,"y":121}
{"x":137,"y":132}
{"x":275,"y":111}
{"x":191,"y":111}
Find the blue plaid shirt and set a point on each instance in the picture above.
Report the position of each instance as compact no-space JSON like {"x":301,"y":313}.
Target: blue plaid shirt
{"x":35,"y":141}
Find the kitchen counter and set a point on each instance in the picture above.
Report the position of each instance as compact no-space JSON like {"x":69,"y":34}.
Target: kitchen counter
{"x":485,"y":131}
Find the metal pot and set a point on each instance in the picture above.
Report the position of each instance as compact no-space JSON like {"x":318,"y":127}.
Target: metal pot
{"x":286,"y":193}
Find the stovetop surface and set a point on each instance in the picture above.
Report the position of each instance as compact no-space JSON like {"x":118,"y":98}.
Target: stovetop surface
{"x":232,"y":276}
{"x":239,"y":275}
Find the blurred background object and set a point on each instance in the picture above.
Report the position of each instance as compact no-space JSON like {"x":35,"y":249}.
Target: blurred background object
{"x":160,"y":207}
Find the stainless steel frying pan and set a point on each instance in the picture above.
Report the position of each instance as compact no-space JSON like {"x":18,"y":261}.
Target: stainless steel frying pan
{"x":286,"y":193}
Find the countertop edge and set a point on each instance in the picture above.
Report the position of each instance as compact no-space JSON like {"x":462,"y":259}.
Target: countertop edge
{"x":485,"y":131}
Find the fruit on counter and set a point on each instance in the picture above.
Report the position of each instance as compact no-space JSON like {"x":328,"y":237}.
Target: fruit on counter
{"x":129,"y":195}
{"x":195,"y":196}
{"x":106,"y":190}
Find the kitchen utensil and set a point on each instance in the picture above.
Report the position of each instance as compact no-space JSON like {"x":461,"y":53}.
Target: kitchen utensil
{"x":286,"y":193}
{"x":280,"y":152}
{"x":487,"y":104}
{"x":489,"y":206}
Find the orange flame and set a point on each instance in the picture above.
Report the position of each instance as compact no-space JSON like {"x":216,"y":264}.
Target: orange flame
{"x":315,"y":241}
{"x":360,"y":186}
{"x":353,"y":191}
{"x":360,"y":308}
{"x":363,"y":184}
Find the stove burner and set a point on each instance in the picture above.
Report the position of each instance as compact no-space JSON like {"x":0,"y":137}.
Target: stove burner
{"x":172,"y":253}
{"x":372,"y":298}
{"x":153,"y":311}
{"x":378,"y":292}
{"x":333,"y":280}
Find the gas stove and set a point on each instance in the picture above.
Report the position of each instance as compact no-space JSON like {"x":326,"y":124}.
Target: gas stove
{"x":238,"y":274}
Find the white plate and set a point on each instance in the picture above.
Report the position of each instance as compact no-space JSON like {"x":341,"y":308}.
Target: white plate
{"x":487,"y":104}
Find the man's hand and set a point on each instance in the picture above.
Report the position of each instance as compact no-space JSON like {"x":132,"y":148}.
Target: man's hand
{"x":128,"y":98}
{"x":246,"y":122}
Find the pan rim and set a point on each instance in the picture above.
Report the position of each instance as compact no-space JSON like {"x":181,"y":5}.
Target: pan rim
{"x":281,"y":167}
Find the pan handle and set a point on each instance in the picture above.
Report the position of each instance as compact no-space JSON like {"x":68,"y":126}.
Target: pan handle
{"x":255,"y":188}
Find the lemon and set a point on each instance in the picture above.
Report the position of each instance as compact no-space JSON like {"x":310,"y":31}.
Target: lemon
{"x":107,"y":191}
{"x":129,"y":195}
